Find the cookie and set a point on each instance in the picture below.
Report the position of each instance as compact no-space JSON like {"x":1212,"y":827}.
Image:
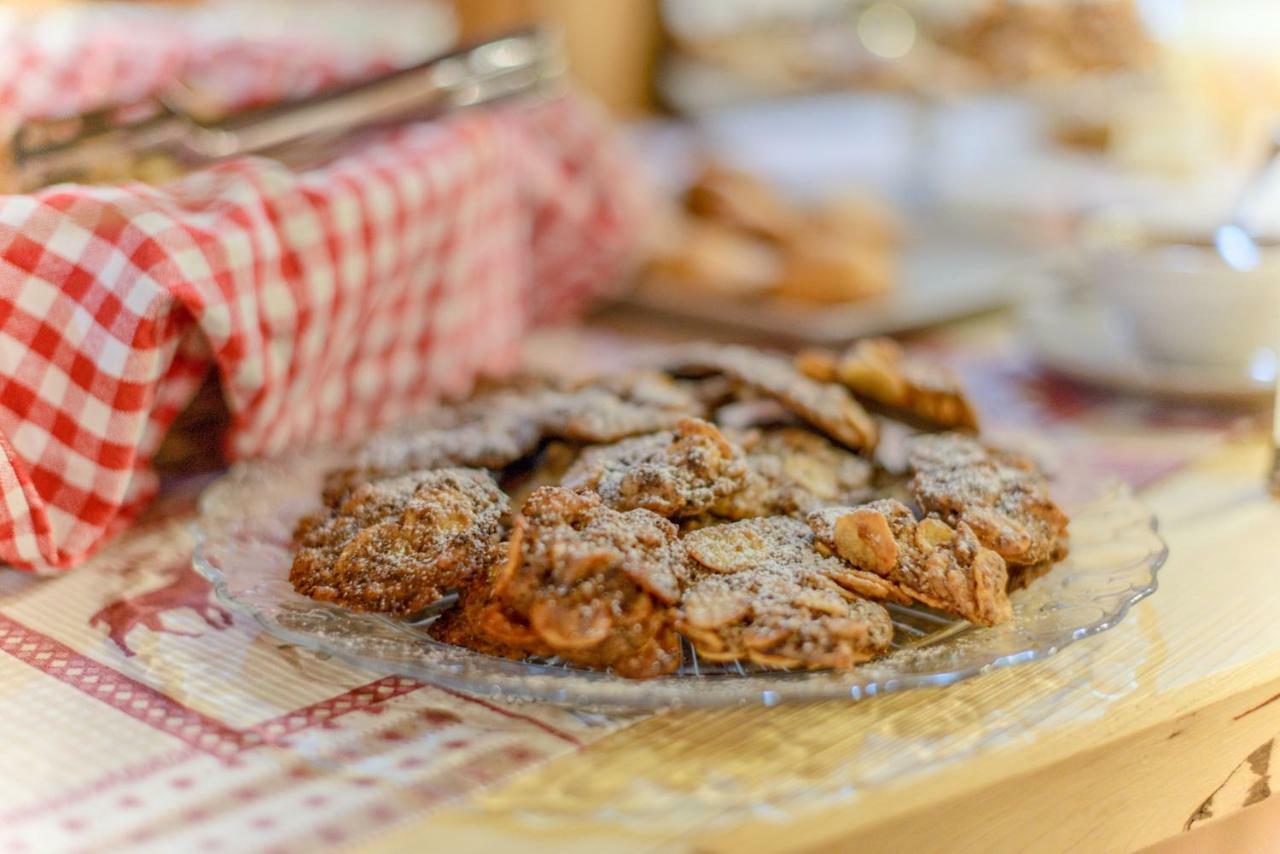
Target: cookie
{"x":652,"y":388}
{"x":1003,"y":497}
{"x":878,"y":372}
{"x":828,"y":407}
{"x":674,"y":473}
{"x":490,"y":431}
{"x":791,"y":471}
{"x":762,"y":594}
{"x":941,"y":566}
{"x":596,"y":415}
{"x":640,"y":521}
{"x":395,"y":545}
{"x":500,"y":427}
{"x":594,"y":585}
{"x":480,"y":622}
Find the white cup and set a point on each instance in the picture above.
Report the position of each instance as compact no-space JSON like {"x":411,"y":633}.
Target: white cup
{"x":1184,"y":303}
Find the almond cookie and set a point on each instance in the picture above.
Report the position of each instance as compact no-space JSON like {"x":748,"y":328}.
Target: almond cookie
{"x":596,"y":415}
{"x":761,"y":593}
{"x":782,"y":541}
{"x":877,"y":371}
{"x":792,"y":471}
{"x":828,"y":407}
{"x":396,"y":544}
{"x":675,"y":473}
{"x":497,"y":428}
{"x":941,"y":566}
{"x":652,"y":388}
{"x":491,"y":431}
{"x":593,"y":585}
{"x":1002,"y":496}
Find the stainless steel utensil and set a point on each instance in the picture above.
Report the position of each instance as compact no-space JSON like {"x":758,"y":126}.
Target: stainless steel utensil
{"x":1234,"y":240}
{"x":176,"y":132}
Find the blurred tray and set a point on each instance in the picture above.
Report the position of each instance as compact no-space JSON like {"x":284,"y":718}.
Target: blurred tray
{"x":946,"y":273}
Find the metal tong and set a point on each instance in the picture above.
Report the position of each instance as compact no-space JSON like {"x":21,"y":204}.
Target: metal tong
{"x":171,"y":133}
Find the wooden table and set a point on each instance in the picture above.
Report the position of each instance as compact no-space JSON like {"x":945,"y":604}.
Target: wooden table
{"x":1158,"y":726}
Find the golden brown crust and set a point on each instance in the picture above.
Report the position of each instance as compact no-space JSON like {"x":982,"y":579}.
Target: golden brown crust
{"x":932,"y":562}
{"x":877,"y":371}
{"x":593,"y":585}
{"x":827,"y":407}
{"x":674,"y":473}
{"x":1003,"y":497}
{"x":761,"y":593}
{"x":792,"y":471}
{"x":395,"y":545}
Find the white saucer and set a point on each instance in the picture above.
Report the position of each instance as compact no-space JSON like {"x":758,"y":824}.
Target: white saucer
{"x":1080,"y":338}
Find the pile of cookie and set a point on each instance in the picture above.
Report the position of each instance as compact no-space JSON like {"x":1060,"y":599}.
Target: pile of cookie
{"x":738,"y":236}
{"x":730,"y":497}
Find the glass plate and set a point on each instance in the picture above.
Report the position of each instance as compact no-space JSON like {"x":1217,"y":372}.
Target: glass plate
{"x":243,"y":548}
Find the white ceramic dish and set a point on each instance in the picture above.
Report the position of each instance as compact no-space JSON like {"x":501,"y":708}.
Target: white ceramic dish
{"x":1184,"y":302}
{"x":1076,"y":335}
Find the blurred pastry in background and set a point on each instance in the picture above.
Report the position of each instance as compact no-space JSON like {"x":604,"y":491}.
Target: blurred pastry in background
{"x":858,"y":216}
{"x":1194,"y":110}
{"x":725,"y":53}
{"x":1047,"y":40}
{"x":717,"y":258}
{"x":741,"y":201}
{"x":826,"y":268}
{"x":738,"y":236}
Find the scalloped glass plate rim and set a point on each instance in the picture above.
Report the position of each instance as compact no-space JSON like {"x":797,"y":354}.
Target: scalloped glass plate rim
{"x":503,"y":679}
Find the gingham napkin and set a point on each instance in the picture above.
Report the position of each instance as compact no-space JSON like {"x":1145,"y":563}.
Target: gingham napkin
{"x":330,"y":301}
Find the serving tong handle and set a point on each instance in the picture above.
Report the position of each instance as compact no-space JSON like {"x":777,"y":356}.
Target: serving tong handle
{"x":93,"y":144}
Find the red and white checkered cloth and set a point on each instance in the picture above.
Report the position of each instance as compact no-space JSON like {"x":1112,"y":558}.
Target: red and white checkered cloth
{"x":330,"y":301}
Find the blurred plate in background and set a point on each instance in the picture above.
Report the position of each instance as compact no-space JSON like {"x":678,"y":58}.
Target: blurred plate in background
{"x":945,"y":273}
{"x":1077,"y":336}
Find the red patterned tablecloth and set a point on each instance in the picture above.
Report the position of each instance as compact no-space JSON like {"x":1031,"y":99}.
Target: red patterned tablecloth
{"x":329,"y":301}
